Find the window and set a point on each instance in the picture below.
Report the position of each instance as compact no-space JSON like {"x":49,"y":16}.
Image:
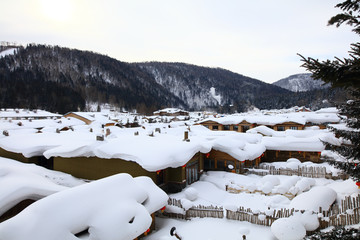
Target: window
{"x":226,"y":127}
{"x":215,"y":127}
{"x":293,"y":128}
{"x":236,"y":128}
{"x":209,"y":164}
{"x":281,"y":128}
{"x":245,"y":128}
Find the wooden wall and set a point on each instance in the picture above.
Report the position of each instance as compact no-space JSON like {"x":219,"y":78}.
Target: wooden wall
{"x":17,"y":156}
{"x":282,"y":156}
{"x":93,"y":168}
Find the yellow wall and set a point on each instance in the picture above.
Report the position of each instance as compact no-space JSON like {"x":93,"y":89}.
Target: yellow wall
{"x":17,"y":156}
{"x":95,"y":168}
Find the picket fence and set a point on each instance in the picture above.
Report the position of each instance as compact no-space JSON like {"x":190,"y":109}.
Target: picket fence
{"x":304,"y":171}
{"x":345,"y":213}
{"x":236,"y":190}
{"x":195,"y":212}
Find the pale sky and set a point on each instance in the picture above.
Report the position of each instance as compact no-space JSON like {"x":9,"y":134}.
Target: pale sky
{"x":256,"y":38}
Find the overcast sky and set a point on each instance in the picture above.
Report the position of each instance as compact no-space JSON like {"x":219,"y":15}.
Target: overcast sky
{"x":256,"y":38}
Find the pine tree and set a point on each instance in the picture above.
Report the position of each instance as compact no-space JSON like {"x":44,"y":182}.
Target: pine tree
{"x":335,"y":234}
{"x":344,"y":73}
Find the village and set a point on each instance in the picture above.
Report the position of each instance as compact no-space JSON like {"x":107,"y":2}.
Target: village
{"x":259,"y":172}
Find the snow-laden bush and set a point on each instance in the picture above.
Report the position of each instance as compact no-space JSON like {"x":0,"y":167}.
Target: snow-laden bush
{"x":318,"y":196}
{"x":267,"y":187}
{"x":262,"y":217}
{"x":293,"y":163}
{"x":231,"y":207}
{"x":304,"y":184}
{"x":310,"y":221}
{"x":274,"y":180}
{"x":288,"y":229}
{"x":186,"y":204}
{"x":191,"y":193}
{"x":285,"y":186}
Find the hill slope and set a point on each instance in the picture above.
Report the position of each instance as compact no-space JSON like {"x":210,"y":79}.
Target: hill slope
{"x":300,"y":83}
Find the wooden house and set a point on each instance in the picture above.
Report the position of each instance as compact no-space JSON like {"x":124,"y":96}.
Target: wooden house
{"x":93,"y":168}
{"x":38,"y":160}
{"x":244,"y":125}
{"x":288,"y":125}
{"x":86,"y":120}
{"x":212,"y":125}
{"x":21,"y":114}
{"x":220,"y":161}
{"x":284,"y":155}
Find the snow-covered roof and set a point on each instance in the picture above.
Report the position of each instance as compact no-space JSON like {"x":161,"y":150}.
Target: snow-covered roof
{"x":166,"y":149}
{"x":21,"y":181}
{"x":169,"y":110}
{"x":278,"y":118}
{"x":25,"y":113}
{"x":94,"y":117}
{"x":118,"y":205}
{"x":21,"y":125}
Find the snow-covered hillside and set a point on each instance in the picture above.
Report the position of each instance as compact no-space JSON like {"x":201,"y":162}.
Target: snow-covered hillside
{"x":300,"y":83}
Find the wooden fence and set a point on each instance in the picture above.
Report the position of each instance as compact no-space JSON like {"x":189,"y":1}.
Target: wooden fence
{"x":345,"y":213}
{"x":196,"y":211}
{"x":304,"y":171}
{"x":242,"y":190}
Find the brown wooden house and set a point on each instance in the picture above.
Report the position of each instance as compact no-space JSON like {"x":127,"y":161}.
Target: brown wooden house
{"x":288,"y":125}
{"x":220,"y":161}
{"x":282,"y":156}
{"x":77,"y":116}
{"x":169,"y":179}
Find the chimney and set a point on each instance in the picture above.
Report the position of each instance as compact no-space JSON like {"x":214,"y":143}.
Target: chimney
{"x":186,"y":136}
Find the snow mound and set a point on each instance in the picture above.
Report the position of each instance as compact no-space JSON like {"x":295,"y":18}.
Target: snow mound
{"x":116,"y":207}
{"x":310,"y":221}
{"x":191,"y":193}
{"x":288,"y":229}
{"x":293,"y":163}
{"x":318,"y":196}
{"x":274,"y":180}
{"x":21,"y":181}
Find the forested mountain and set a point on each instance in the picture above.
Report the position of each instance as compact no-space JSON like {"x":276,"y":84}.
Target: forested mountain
{"x":301,"y":83}
{"x":61,"y":79}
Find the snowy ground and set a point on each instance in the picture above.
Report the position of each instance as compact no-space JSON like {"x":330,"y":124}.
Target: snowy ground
{"x":209,"y":229}
{"x":210,"y":190}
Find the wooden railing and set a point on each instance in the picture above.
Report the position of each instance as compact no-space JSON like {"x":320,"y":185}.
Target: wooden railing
{"x":304,"y":171}
{"x":345,"y":213}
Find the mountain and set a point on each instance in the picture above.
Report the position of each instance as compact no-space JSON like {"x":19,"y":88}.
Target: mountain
{"x":62,"y":79}
{"x":301,"y":83}
{"x":202,"y":87}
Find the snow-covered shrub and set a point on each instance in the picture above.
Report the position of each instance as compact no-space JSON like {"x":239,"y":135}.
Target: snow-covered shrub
{"x":288,"y":229}
{"x":293,"y":163}
{"x":310,"y":221}
{"x":274,"y":180}
{"x":231,"y":207}
{"x":285,"y":186}
{"x":262,"y":217}
{"x":186,"y":204}
{"x":191,"y":193}
{"x":319,"y":196}
{"x":267,"y":187}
